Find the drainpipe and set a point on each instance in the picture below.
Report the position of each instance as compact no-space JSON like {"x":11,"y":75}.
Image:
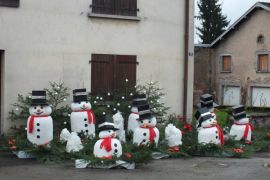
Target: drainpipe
{"x":186,"y":59}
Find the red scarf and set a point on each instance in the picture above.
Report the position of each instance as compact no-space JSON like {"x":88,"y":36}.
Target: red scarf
{"x":134,"y":113}
{"x":152,"y":133}
{"x":220,"y":133}
{"x":31,"y":122}
{"x":248,"y":127}
{"x":90,"y":114}
{"x":107,"y":143}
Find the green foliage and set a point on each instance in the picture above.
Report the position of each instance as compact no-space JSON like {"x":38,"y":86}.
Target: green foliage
{"x":213,"y":22}
{"x":223,"y":118}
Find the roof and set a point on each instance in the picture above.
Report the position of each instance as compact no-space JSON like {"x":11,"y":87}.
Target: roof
{"x":258,"y":5}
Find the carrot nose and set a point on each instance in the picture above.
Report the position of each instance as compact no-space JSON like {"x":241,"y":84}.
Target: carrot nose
{"x":38,"y":110}
{"x":145,"y":125}
{"x":84,"y":105}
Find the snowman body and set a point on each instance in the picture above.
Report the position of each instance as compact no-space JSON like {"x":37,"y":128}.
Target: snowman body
{"x":208,"y":133}
{"x":115,"y":149}
{"x":133,"y":119}
{"x":142,"y":134}
{"x":42,"y":125}
{"x":238,"y":129}
{"x":79,"y":119}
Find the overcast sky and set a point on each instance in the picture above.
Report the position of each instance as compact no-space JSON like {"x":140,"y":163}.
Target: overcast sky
{"x":234,"y":9}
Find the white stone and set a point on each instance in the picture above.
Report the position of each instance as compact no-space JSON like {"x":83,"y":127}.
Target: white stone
{"x":173,"y":135}
{"x":119,"y":124}
{"x":132,"y":119}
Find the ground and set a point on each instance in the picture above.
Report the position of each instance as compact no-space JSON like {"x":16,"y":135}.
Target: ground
{"x":170,"y":169}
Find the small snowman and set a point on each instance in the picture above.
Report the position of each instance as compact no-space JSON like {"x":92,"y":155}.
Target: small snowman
{"x":209,"y":131}
{"x":119,"y":124}
{"x":82,"y":117}
{"x":147,"y":132}
{"x":242,"y":128}
{"x":138,"y":99}
{"x":206,"y":100}
{"x":40,"y":123}
{"x":174,"y":137}
{"x":74,"y":143}
{"x":108,"y":146}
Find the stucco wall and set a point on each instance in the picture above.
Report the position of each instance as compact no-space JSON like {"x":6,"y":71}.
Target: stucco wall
{"x":53,"y":40}
{"x":242,"y":45}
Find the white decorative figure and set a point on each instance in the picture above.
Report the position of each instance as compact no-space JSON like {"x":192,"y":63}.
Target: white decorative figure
{"x":82,"y":117}
{"x":74,"y":143}
{"x":206,"y":100}
{"x":107,"y":146}
{"x":209,"y":131}
{"x":138,"y":99}
{"x":174,"y":137}
{"x":119,"y":124}
{"x":147,"y":132}
{"x":40,"y":123}
{"x":242,"y":128}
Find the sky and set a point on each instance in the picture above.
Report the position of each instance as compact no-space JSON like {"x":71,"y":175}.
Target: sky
{"x":233,"y":9}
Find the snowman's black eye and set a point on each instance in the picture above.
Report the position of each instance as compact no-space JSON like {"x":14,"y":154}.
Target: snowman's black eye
{"x":149,"y":121}
{"x":141,"y":121}
{"x":41,"y":107}
{"x":109,"y":131}
{"x":35,"y":107}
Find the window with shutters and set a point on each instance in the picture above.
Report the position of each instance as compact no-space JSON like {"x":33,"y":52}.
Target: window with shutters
{"x":109,"y":73}
{"x":263,"y":63}
{"x":115,"y":7}
{"x":226,"y":65}
{"x":10,"y":3}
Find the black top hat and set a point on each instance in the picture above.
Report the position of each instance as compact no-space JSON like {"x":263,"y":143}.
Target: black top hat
{"x":202,"y":114}
{"x":206,"y":100}
{"x":138,"y":100}
{"x":105,"y":122}
{"x":144,"y":112}
{"x":238,"y":112}
{"x":79,"y":95}
{"x":39,"y":98}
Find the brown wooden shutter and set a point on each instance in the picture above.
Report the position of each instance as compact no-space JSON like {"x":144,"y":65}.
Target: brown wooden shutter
{"x":126,"y":7}
{"x":10,"y":3}
{"x":103,"y":6}
{"x":263,"y":62}
{"x":101,"y":73}
{"x":125,"y":68}
{"x":226,"y":63}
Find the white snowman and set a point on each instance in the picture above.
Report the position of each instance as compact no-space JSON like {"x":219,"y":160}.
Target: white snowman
{"x":206,"y":100}
{"x":40,"y":123}
{"x":138,"y":99}
{"x":82,"y":117}
{"x":242,"y":128}
{"x":107,"y":146}
{"x":209,"y":131}
{"x":147,"y":132}
{"x":174,"y":137}
{"x":119,"y":124}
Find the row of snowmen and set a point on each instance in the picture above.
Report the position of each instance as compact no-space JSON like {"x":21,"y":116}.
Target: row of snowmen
{"x":141,"y":122}
{"x":210,"y":132}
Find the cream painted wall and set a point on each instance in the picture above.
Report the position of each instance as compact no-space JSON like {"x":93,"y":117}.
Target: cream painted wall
{"x":52,"y":40}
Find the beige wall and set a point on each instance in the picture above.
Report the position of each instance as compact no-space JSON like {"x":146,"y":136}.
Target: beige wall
{"x":52,"y":40}
{"x":242,"y":45}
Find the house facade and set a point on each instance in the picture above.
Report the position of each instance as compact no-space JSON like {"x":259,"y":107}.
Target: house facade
{"x":96,"y":44}
{"x":238,"y":70}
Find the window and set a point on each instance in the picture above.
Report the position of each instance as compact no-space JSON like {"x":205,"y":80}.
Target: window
{"x":115,"y":7}
{"x":260,"y":39}
{"x":10,"y":3}
{"x":109,"y":72}
{"x":226,"y":63}
{"x":263,"y":62}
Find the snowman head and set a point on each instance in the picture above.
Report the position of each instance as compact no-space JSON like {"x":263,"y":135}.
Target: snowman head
{"x":106,"y":127}
{"x":148,"y":123}
{"x":242,"y":121}
{"x":134,"y":109}
{"x":205,"y":118}
{"x":146,"y":119}
{"x":239,"y":114}
{"x":209,"y":122}
{"x":83,"y":105}
{"x":107,"y":133}
{"x":40,"y":110}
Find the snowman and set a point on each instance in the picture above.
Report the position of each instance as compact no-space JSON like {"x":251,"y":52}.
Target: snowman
{"x":118,"y":121}
{"x":147,"y":132}
{"x":138,"y":99}
{"x":174,"y":137}
{"x":209,"y":131}
{"x":40,"y":123}
{"x":206,"y":100}
{"x":108,"y":146}
{"x":82,"y":117}
{"x":241,"y":128}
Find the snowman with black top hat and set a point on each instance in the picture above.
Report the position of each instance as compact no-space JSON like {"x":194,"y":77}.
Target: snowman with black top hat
{"x":207,"y":101}
{"x":40,"y":123}
{"x":208,"y":129}
{"x":147,"y":132}
{"x":107,"y":146}
{"x":82,"y":117}
{"x":138,"y":99}
{"x":241,"y":128}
